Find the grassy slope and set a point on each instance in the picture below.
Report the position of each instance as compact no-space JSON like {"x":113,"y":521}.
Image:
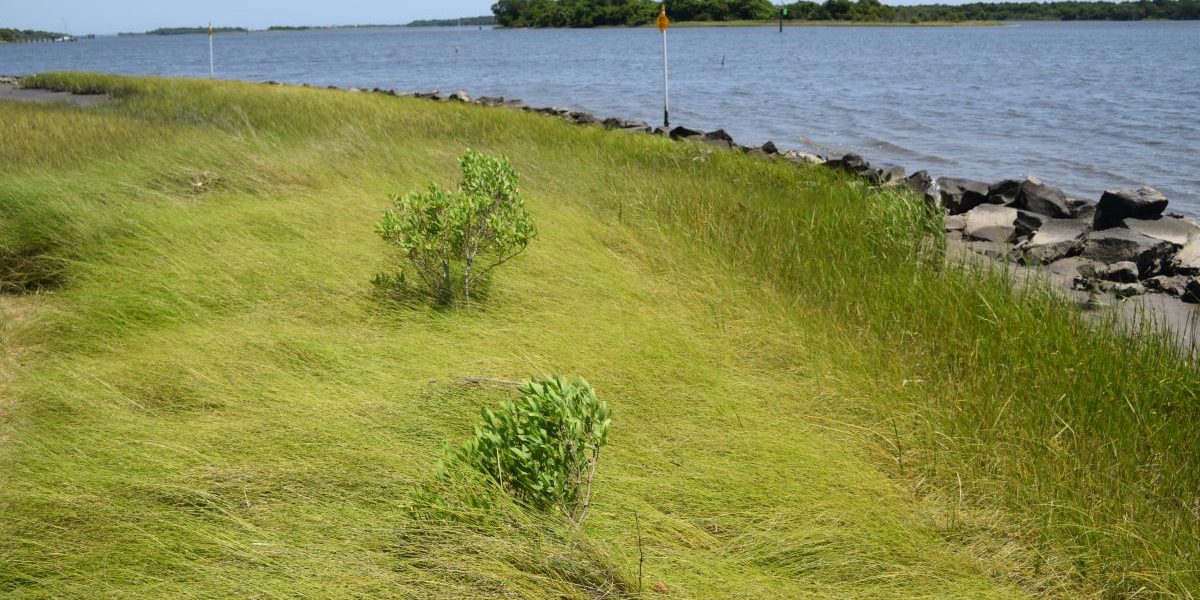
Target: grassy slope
{"x":215,"y":404}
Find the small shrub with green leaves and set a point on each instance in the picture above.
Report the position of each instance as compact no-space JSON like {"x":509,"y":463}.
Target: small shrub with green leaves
{"x":543,"y":448}
{"x":452,"y":240}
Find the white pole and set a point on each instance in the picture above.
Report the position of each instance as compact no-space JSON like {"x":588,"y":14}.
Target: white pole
{"x":212,"y":72}
{"x":666,"y":87}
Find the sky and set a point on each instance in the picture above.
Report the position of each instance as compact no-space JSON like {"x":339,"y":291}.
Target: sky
{"x":113,"y":16}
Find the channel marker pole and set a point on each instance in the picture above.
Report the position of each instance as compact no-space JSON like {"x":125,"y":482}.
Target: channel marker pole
{"x":663,"y":23}
{"x":212,"y":72}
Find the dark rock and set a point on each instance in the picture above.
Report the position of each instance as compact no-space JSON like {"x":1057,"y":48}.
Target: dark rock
{"x":1117,"y":205}
{"x":1028,"y":223}
{"x":1035,"y":196}
{"x":851,"y":163}
{"x":459,"y":96}
{"x":991,"y":223}
{"x":1170,"y":285}
{"x":1191,"y":292}
{"x":1055,"y":239}
{"x":1116,"y":245}
{"x":582,"y":118}
{"x":920,"y":182}
{"x":718,"y":138}
{"x":1123,"y":272}
{"x":961,"y":195}
{"x":770,"y":148}
{"x":680,"y":133}
{"x":1176,"y":231}
{"x":1082,"y":209}
{"x":1003,"y":192}
{"x":886,"y":175}
{"x":1126,"y":290}
{"x":489,"y":100}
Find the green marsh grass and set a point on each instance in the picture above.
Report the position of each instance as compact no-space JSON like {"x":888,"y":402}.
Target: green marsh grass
{"x":203,"y":397}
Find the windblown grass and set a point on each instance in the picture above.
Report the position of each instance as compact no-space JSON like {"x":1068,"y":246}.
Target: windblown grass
{"x":203,"y":396}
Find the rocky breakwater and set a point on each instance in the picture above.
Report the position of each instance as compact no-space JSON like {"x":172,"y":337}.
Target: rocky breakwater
{"x":1125,"y":244}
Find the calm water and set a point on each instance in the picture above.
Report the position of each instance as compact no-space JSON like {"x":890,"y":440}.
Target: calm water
{"x":1084,"y":106}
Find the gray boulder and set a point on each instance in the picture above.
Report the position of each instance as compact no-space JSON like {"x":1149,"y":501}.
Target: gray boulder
{"x":956,"y":222}
{"x":681,"y":133}
{"x":516,"y":104}
{"x":1028,"y":223}
{"x":805,"y":158}
{"x":961,"y":195}
{"x":718,"y":138}
{"x":1176,"y":231}
{"x":582,"y":118}
{"x":1116,"y":245}
{"x":1035,"y":196}
{"x":851,"y":163}
{"x":991,"y":223}
{"x":1054,"y":240}
{"x":459,"y":96}
{"x":1117,"y":205}
{"x":489,"y":100}
{"x":920,"y":182}
{"x":1187,"y":261}
{"x":1173,"y":285}
{"x":1003,"y":192}
{"x":886,"y":175}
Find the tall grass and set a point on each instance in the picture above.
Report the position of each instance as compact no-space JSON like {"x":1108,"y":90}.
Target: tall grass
{"x":207,"y":400}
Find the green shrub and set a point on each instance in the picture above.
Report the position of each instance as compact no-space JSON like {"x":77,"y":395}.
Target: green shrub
{"x":452,"y":240}
{"x":543,"y":448}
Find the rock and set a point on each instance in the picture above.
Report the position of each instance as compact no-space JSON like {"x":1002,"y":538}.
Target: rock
{"x":459,"y":96}
{"x":956,"y":222}
{"x":921,"y":183}
{"x":718,"y":138}
{"x":1035,"y":196}
{"x":636,"y":126}
{"x":1055,"y":239}
{"x":1123,"y":272}
{"x":1187,"y":260}
{"x":1191,"y":292}
{"x":992,"y":250}
{"x":515,"y":104}
{"x":796,"y":157}
{"x":582,"y":118}
{"x":886,"y":175}
{"x":991,"y":223}
{"x":680,"y":133}
{"x":489,"y":100}
{"x":1073,"y":268}
{"x":1116,"y":245}
{"x":1170,"y":285}
{"x":851,"y":163}
{"x":1126,"y":290}
{"x":1117,"y":205}
{"x":770,"y":148}
{"x":1029,"y":222}
{"x":354,"y":90}
{"x":1082,"y":209}
{"x":1003,"y":192}
{"x":1176,"y":231}
{"x":961,"y":195}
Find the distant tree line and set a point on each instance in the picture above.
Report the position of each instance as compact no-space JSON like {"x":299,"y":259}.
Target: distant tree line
{"x":27,"y":35}
{"x":189,"y":30}
{"x":597,"y":13}
{"x":473,"y":21}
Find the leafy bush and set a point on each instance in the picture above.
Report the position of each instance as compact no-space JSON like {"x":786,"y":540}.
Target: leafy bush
{"x":543,"y":448}
{"x":452,"y":240}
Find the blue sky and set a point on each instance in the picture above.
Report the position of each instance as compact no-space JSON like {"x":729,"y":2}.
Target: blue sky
{"x":112,"y":16}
